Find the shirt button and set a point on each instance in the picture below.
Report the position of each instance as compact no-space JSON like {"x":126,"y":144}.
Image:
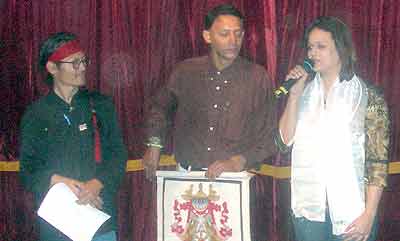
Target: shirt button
{"x":215,"y":106}
{"x":211,"y":128}
{"x":208,"y":148}
{"x":218,"y":87}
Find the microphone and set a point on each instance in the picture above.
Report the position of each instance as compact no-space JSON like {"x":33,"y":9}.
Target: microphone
{"x":285,"y":87}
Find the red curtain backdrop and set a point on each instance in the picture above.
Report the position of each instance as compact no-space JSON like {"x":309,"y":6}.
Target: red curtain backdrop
{"x":134,"y":44}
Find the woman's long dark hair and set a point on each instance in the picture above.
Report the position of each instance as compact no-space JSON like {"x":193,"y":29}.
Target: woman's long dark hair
{"x":343,"y":42}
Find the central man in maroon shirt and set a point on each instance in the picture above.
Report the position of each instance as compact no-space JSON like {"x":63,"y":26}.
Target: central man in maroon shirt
{"x":223,"y":105}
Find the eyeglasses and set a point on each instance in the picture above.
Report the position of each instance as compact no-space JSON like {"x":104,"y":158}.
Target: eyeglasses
{"x":77,"y":62}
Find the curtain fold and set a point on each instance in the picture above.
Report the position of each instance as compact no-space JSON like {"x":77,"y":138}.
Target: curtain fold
{"x":133,"y":46}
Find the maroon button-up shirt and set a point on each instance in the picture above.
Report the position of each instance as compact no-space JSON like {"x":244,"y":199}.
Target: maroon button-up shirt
{"x":218,"y":113}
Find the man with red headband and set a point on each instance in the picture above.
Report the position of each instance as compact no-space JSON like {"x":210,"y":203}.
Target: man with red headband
{"x":72,"y":136}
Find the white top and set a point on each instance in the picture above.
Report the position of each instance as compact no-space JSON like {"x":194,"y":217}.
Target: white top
{"x":328,"y":153}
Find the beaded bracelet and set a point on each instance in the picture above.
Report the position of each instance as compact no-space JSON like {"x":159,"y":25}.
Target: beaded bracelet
{"x":154,"y":141}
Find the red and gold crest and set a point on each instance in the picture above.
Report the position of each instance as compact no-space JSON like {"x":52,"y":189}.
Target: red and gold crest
{"x":201,"y":217}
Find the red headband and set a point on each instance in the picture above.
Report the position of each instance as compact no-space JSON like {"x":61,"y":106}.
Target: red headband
{"x":65,"y":50}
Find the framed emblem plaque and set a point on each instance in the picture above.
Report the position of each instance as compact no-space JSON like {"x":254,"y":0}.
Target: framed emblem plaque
{"x":191,"y":207}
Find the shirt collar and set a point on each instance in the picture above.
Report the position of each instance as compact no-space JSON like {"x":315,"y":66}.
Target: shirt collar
{"x":319,"y":80}
{"x":213,"y":69}
{"x":57,"y":100}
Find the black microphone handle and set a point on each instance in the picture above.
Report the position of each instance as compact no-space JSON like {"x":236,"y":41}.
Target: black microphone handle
{"x":284,"y":88}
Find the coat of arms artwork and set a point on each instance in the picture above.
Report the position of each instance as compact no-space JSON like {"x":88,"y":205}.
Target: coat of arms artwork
{"x":191,"y":207}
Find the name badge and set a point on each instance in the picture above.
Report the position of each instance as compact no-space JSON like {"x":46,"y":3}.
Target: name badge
{"x":82,"y":127}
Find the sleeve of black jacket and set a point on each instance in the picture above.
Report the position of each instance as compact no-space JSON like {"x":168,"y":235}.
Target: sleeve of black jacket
{"x":114,"y":154}
{"x":34,"y":172}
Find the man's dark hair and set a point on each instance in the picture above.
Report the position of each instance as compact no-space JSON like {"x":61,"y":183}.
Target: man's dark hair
{"x":223,"y":9}
{"x":48,"y":47}
{"x":343,"y":42}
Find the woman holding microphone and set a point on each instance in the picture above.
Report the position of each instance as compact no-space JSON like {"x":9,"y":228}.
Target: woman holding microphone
{"x":336,"y":126}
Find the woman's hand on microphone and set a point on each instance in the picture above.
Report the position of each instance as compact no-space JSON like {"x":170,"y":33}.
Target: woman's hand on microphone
{"x":301,"y":75}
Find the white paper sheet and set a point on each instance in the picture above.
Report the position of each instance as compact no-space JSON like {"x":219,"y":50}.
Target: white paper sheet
{"x":78,"y":222}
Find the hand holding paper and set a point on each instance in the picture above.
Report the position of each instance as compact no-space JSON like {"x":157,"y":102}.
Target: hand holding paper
{"x":78,"y":222}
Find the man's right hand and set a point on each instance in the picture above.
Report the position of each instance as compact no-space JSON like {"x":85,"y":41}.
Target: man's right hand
{"x":151,"y":159}
{"x":87,"y":192}
{"x":75,"y":185}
